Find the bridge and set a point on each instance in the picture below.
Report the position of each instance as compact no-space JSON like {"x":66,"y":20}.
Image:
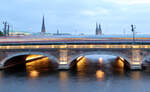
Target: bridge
{"x":65,"y":50}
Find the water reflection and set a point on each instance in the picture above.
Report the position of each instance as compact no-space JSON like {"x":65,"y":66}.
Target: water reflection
{"x":89,"y":76}
{"x":33,"y":74}
{"x":100,"y":74}
{"x":63,"y":75}
{"x":41,"y":64}
{"x":136,"y":75}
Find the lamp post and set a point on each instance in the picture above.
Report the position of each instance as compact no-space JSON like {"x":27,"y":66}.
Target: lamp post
{"x":133,"y":27}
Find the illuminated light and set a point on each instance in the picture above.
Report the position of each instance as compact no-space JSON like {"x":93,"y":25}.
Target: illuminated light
{"x":146,"y":46}
{"x":74,"y":46}
{"x":63,"y":56}
{"x":91,"y":46}
{"x":123,"y":46}
{"x":79,"y":58}
{"x":120,"y":63}
{"x":100,"y":74}
{"x":136,"y":63}
{"x":107,"y":46}
{"x":63,"y":46}
{"x":22,"y":47}
{"x":82,"y":64}
{"x":63,"y":63}
{"x":135,"y":46}
{"x":7,"y":47}
{"x":63,"y":76}
{"x":81,"y":61}
{"x":121,"y":58}
{"x":100,"y":60}
{"x":52,"y":46}
{"x":37,"y":47}
{"x":30,"y":57}
{"x":35,"y":62}
{"x":34,"y":74}
{"x":136,"y":75}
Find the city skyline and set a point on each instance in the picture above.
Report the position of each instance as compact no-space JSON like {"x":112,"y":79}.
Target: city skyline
{"x":77,"y":16}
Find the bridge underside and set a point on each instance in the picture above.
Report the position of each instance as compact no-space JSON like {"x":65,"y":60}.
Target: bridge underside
{"x":21,"y":61}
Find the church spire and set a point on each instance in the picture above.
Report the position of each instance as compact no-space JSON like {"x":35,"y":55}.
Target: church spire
{"x":97,"y":28}
{"x":43,"y":26}
{"x":100,"y":29}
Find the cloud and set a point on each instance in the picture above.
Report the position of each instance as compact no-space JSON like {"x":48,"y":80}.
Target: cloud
{"x":78,"y":15}
{"x":95,"y":12}
{"x":129,"y":2}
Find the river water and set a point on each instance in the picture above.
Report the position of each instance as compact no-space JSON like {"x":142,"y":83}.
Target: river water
{"x":39,"y":77}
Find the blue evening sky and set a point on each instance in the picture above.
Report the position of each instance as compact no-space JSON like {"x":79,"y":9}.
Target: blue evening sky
{"x":77,"y":16}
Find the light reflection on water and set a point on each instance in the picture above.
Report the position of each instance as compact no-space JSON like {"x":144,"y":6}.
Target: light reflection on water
{"x":40,"y":77}
{"x":33,"y":74}
{"x":100,"y":74}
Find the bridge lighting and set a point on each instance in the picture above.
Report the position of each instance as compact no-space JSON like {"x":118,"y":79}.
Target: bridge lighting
{"x":136,"y":63}
{"x":22,"y":47}
{"x":7,"y":47}
{"x":100,"y":60}
{"x":107,"y":46}
{"x":37,"y":47}
{"x":74,"y":46}
{"x":52,"y":46}
{"x":91,"y":46}
{"x":79,"y":58}
{"x":135,"y":46}
{"x":81,"y":61}
{"x":123,"y":46}
{"x":30,"y":57}
{"x":63,"y":63}
{"x":121,"y":58}
{"x":120,"y":63}
{"x":63,"y":46}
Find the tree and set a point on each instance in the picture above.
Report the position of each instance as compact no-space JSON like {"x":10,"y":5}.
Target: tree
{"x":1,"y":33}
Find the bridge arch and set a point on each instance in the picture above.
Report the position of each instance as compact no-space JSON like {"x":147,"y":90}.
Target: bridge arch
{"x":147,"y":57}
{"x":146,"y":61}
{"x":5,"y":60}
{"x":74,"y":57}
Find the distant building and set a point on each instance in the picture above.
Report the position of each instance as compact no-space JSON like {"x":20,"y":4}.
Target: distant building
{"x":19,"y":33}
{"x":98,"y":29}
{"x":43,"y":30}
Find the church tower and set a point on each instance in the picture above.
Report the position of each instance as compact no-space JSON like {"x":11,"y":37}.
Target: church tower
{"x":43,"y":30}
{"x":98,"y":29}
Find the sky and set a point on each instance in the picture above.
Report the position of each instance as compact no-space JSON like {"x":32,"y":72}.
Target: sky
{"x":77,"y":16}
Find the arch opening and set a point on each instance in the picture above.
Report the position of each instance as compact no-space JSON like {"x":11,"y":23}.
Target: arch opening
{"x":146,"y":62}
{"x":30,"y":62}
{"x":90,"y":62}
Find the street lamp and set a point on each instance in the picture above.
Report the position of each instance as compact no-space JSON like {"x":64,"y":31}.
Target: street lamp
{"x":133,"y":27}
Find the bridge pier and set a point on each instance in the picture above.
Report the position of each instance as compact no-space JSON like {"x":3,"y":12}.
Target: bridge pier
{"x":136,"y":60}
{"x":63,"y":59}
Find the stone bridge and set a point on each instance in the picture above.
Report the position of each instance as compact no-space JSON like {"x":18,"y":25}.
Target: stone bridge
{"x":64,"y":55}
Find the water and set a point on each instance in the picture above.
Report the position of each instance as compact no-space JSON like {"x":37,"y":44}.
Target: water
{"x":44,"y":79}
